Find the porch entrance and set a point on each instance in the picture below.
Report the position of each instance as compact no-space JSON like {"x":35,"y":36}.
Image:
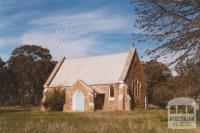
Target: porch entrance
{"x":99,"y":101}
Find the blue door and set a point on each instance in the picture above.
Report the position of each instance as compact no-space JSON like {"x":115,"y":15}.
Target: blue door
{"x":78,"y":101}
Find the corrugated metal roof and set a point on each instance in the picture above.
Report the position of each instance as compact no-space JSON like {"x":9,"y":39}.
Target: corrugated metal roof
{"x":92,"y":70}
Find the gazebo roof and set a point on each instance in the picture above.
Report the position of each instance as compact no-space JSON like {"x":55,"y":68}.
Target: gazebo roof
{"x":181,"y":101}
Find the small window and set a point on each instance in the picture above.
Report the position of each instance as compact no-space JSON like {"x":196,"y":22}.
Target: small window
{"x":111,"y":92}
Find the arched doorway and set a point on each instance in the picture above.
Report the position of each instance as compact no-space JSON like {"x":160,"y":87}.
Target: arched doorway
{"x":78,"y":101}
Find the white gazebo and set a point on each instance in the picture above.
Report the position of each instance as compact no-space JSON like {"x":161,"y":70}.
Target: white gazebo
{"x":182,"y":113}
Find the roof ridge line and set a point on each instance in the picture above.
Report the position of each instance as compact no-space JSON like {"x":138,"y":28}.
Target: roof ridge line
{"x":97,"y":56}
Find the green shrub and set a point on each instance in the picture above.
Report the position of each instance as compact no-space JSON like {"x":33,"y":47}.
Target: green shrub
{"x":55,"y":100}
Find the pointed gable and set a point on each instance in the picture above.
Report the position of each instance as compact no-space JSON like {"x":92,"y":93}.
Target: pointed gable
{"x":105,"y":69}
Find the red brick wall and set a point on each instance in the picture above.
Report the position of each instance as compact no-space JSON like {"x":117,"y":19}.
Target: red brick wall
{"x":136,"y":72}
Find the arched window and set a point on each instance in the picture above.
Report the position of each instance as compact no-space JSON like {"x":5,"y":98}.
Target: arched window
{"x":111,"y":92}
{"x":136,"y":88}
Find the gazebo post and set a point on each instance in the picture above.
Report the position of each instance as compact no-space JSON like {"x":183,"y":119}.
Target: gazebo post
{"x":168,"y":110}
{"x":186,"y":109}
{"x":176,"y":109}
{"x":194,"y":106}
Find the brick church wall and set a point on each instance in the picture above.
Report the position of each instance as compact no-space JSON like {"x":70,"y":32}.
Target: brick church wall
{"x":136,"y":72}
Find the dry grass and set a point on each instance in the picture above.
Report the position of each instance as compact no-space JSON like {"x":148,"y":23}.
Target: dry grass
{"x":19,"y":120}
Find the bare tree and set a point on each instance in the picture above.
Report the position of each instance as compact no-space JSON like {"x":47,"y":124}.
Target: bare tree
{"x":173,"y":24}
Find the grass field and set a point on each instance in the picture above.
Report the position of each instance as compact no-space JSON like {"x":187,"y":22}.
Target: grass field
{"x":31,"y":120}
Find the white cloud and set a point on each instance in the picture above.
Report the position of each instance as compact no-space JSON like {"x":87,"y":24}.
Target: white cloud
{"x":88,"y":22}
{"x":83,"y":28}
{"x":3,"y":24}
{"x":15,"y":22}
{"x":4,"y":56}
{"x":79,"y":33}
{"x":5,"y":42}
{"x":8,"y":4}
{"x":69,"y":48}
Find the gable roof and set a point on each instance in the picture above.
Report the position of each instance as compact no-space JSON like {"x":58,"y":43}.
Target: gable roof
{"x":85,"y":85}
{"x":89,"y":88}
{"x":104,"y":69}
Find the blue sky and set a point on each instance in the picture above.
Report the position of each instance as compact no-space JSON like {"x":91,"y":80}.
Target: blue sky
{"x":70,"y":28}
